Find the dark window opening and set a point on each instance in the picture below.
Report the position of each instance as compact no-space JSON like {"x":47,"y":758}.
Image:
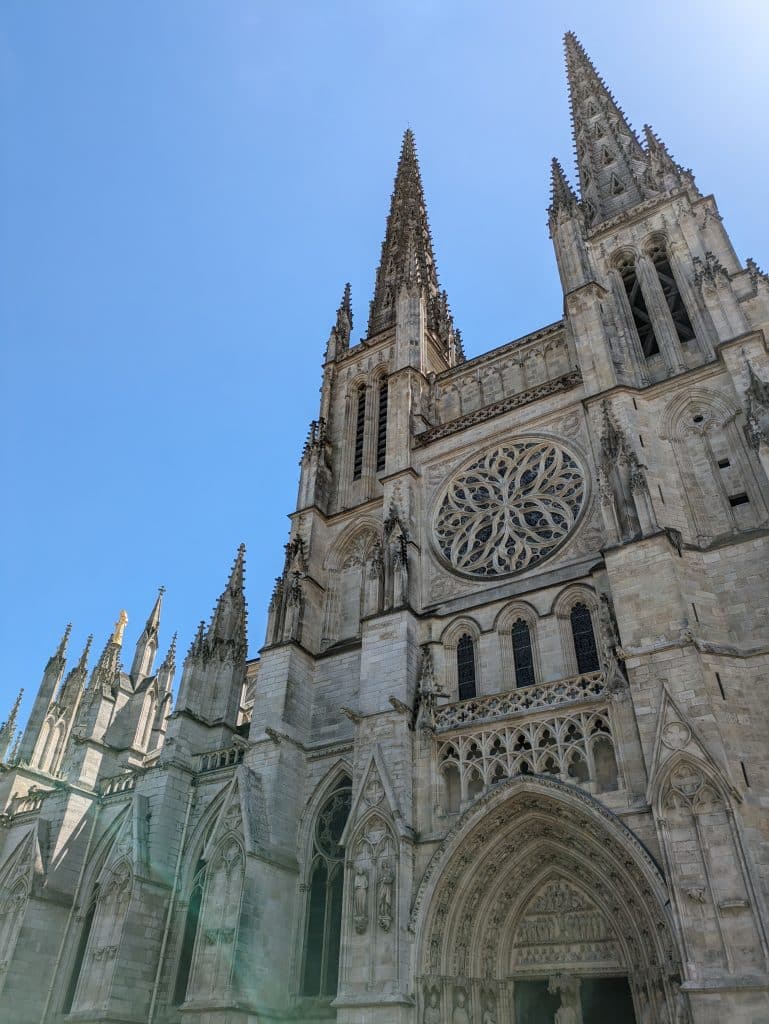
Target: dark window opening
{"x":641,"y":440}
{"x":584,"y":639}
{"x":745,"y":774}
{"x":466,"y":667}
{"x":681,"y":321}
{"x":738,"y":499}
{"x":523,"y":655}
{"x":190,"y":931}
{"x":720,"y":686}
{"x":662,"y":496}
{"x":723,"y":463}
{"x":641,"y":319}
{"x":360,"y":426}
{"x":381,"y":433}
{"x":85,"y":932}
{"x":694,"y":609}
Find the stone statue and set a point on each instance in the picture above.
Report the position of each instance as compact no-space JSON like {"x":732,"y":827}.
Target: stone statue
{"x":490,"y":1013}
{"x":385,"y":896}
{"x":360,"y":900}
{"x":432,"y":1014}
{"x":460,"y":1014}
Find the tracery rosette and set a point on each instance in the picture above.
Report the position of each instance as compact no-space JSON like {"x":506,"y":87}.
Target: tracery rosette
{"x":510,"y":508}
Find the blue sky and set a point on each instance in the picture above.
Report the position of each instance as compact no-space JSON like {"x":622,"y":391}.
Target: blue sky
{"x":185,"y":186}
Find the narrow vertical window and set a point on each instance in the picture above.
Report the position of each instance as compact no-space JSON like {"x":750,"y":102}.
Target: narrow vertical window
{"x":190,"y":931}
{"x":466,"y":667}
{"x":381,"y":430}
{"x":584,"y":639}
{"x":324,"y":910}
{"x":681,"y":321}
{"x":641,"y":319}
{"x":85,"y":933}
{"x":360,"y":426}
{"x":523,"y":656}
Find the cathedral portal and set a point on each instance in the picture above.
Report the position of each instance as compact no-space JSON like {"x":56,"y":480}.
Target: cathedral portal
{"x":541,"y":906}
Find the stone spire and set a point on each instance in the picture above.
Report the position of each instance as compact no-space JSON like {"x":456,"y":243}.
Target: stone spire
{"x":72,"y":687}
{"x":664,"y":173}
{"x":227,"y":632}
{"x":147,"y":644}
{"x":108,"y":665}
{"x":339,"y":338}
{"x":562,"y":195}
{"x":610,"y":159}
{"x":407,"y":251}
{"x":8,"y":728}
{"x":52,"y":674}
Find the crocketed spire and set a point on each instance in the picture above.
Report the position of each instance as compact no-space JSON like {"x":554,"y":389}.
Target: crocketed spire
{"x":610,"y":159}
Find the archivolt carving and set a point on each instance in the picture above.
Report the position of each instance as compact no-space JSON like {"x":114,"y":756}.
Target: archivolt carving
{"x":527,"y":851}
{"x":510,"y":508}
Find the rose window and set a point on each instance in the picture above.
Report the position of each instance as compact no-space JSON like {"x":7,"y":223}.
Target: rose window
{"x":510,"y":508}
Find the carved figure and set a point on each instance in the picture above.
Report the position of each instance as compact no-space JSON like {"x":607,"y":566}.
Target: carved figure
{"x":385,"y":896}
{"x":460,"y":1014}
{"x":432,"y":1014}
{"x":360,"y":900}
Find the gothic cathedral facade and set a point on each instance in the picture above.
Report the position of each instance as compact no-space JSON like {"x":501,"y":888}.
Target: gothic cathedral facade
{"x":503,"y":756}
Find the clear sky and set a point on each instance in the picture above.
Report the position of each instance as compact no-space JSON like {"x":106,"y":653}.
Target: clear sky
{"x":185,"y":186}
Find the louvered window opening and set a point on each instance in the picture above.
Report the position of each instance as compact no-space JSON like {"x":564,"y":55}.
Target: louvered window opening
{"x":381,"y":436}
{"x":641,"y":319}
{"x":523,"y":656}
{"x":360,"y":426}
{"x":584,"y":639}
{"x":466,"y":667}
{"x":681,"y":321}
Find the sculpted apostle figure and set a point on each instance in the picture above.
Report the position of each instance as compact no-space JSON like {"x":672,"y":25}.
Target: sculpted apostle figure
{"x":432,"y":1014}
{"x":385,"y":895}
{"x":460,"y":1015}
{"x":360,"y":898}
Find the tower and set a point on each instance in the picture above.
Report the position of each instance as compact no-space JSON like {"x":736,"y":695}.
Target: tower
{"x":502,"y":755}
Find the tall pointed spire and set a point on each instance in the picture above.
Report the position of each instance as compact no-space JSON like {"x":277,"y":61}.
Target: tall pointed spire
{"x":8,"y":728}
{"x":562,"y":195}
{"x":52,"y":674}
{"x":339,"y":338}
{"x":610,"y":159}
{"x":108,"y":665}
{"x":664,"y":173}
{"x":72,"y":687}
{"x":227,"y":631}
{"x":407,"y":251}
{"x":147,"y":644}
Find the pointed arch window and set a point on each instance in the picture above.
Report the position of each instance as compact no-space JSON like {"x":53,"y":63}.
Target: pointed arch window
{"x":638,"y":309}
{"x":583,"y":635}
{"x":190,"y":931}
{"x":320,"y":976}
{"x":360,"y":429}
{"x":523,"y":655}
{"x":77,"y":966}
{"x":381,"y":430}
{"x":683,"y":325}
{"x":466,"y":667}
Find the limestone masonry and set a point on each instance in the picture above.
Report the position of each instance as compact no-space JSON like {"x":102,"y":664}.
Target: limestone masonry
{"x":503,"y":756}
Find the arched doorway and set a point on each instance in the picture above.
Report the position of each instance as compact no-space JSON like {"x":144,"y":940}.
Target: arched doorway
{"x":541,"y":907}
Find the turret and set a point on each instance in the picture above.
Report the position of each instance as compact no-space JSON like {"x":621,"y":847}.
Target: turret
{"x":214,"y":669}
{"x":51,"y":677}
{"x":8,"y":728}
{"x":147,"y":644}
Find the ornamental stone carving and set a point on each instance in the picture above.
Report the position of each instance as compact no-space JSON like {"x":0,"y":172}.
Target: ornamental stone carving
{"x":510,"y":508}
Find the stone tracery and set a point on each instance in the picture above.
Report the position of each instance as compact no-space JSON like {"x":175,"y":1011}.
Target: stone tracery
{"x":510,"y":508}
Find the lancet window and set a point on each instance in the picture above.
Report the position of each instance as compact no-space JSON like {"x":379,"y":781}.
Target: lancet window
{"x":381,"y":434}
{"x":324,"y":911}
{"x":77,"y":966}
{"x":190,"y":931}
{"x":638,"y":309}
{"x":683,"y":325}
{"x":360,"y":431}
{"x":466,"y":667}
{"x":583,"y":635}
{"x":523,"y":655}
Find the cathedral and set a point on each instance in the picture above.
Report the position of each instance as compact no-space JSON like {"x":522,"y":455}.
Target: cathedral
{"x":503,"y":755}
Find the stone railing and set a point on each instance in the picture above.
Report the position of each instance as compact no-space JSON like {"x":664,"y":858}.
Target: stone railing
{"x":122,"y":783}
{"x":495,"y":706}
{"x":224,"y":758}
{"x":33,"y":801}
